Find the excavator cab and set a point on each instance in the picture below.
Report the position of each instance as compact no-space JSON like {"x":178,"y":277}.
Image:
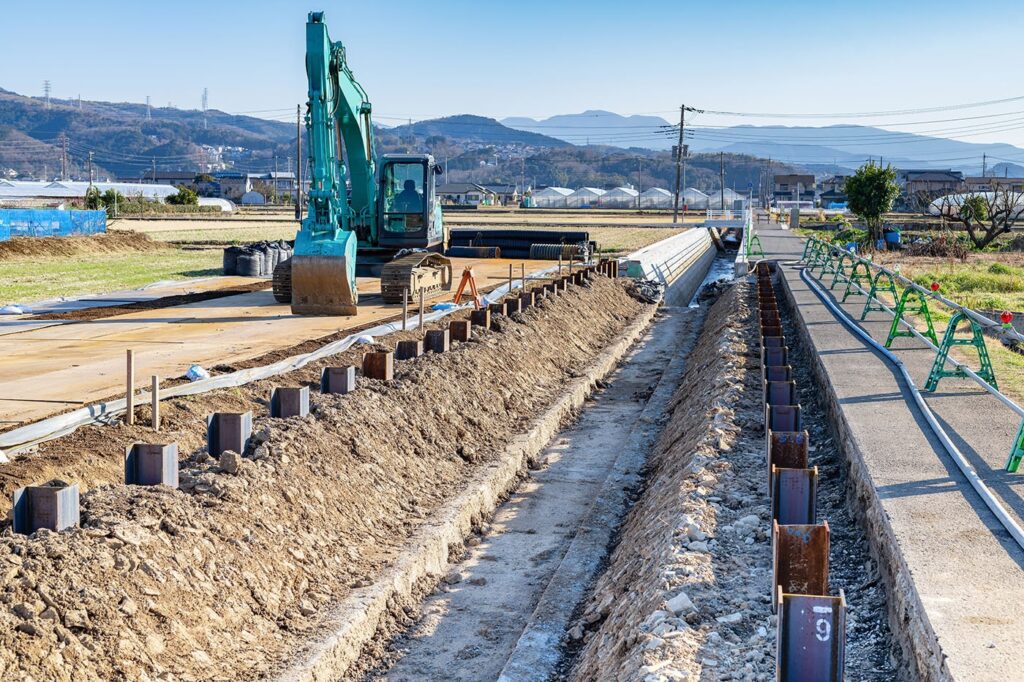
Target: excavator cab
{"x":410,"y":216}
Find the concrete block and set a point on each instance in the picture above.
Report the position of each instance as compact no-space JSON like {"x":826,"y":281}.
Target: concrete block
{"x":289,"y":401}
{"x":460,"y":330}
{"x":408,"y":350}
{"x":437,"y":341}
{"x":380,"y":366}
{"x":151,"y":464}
{"x":338,"y":380}
{"x":481,"y":318}
{"x":228,"y":431}
{"x":51,"y":506}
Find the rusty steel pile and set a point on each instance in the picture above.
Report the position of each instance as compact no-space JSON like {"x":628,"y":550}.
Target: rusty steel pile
{"x":812,"y":623}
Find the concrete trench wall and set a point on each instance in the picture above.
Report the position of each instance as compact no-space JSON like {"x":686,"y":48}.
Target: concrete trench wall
{"x":908,"y":619}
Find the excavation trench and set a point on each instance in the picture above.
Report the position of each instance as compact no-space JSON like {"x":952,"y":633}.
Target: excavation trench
{"x":501,"y":611}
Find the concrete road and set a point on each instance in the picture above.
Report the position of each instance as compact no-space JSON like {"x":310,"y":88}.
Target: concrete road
{"x":962,"y":569}
{"x":49,"y":367}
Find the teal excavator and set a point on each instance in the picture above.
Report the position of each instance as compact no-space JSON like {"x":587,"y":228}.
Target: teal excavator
{"x":366,"y":216}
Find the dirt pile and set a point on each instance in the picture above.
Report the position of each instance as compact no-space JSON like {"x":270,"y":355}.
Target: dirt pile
{"x":108,"y":242}
{"x":649,"y":615}
{"x":229,"y":576}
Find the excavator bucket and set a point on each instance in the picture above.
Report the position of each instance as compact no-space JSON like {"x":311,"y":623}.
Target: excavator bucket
{"x":323,"y":274}
{"x":321,"y":286}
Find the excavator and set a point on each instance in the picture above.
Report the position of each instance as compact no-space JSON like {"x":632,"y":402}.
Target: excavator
{"x":366,"y":215}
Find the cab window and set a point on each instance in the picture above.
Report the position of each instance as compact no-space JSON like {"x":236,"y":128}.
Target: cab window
{"x":403,"y":188}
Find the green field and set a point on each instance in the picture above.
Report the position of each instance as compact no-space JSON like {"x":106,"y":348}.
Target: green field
{"x":28,"y":279}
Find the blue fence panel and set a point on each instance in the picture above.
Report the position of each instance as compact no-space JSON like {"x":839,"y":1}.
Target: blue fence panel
{"x":43,"y":222}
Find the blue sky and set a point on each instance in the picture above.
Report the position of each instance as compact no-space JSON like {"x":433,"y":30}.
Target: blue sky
{"x":530,"y":58}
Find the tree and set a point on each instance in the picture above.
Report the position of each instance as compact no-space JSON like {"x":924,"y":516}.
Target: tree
{"x":871,"y":192}
{"x":985,"y":215}
{"x":184,"y":197}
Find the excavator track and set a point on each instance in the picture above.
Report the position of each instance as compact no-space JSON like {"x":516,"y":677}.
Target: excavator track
{"x":283,"y":281}
{"x":408,"y":275}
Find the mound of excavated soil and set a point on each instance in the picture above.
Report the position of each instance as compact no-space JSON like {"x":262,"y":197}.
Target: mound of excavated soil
{"x":635,"y":626}
{"x":227,"y":577}
{"x":108,"y":242}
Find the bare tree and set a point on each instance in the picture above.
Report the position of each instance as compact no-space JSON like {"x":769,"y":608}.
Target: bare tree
{"x":984,"y":215}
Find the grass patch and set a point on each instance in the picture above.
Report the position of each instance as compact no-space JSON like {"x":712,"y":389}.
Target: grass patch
{"x":28,"y":279}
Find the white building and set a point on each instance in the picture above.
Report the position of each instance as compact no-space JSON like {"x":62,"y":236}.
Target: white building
{"x":656,"y":197}
{"x":620,"y":197}
{"x":551,"y":197}
{"x":584,"y":197}
{"x":67,"y":189}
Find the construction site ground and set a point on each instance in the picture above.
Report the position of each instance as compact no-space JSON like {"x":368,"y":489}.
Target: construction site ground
{"x":235,"y":575}
{"x":950,"y":567}
{"x":49,"y":366}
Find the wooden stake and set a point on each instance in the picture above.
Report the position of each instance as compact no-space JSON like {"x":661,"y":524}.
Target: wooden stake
{"x":405,"y":307}
{"x":522,"y":274}
{"x":155,"y":390}
{"x":130,"y":388}
{"x":510,"y":278}
{"x":421,"y":308}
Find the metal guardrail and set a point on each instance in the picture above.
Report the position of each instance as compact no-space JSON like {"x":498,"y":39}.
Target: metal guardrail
{"x":989,"y":324}
{"x":727,"y":214}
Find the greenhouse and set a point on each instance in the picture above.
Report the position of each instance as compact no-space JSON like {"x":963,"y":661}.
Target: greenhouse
{"x":584,"y":197}
{"x":620,"y":197}
{"x":551,"y":197}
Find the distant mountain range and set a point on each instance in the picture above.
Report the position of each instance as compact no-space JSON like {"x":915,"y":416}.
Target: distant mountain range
{"x":477,"y":129}
{"x":845,"y":146}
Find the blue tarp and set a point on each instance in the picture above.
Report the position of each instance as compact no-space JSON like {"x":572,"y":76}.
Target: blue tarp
{"x":47,"y":222}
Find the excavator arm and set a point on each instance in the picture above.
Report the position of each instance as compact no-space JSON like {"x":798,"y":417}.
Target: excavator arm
{"x":338,"y":112}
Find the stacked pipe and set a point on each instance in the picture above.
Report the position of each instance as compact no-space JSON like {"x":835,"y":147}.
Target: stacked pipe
{"x":256,"y":260}
{"x":532,"y":244}
{"x":811,"y":623}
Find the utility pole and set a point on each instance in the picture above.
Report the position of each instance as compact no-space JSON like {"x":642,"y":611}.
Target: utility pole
{"x":679,"y":162}
{"x":90,"y":169}
{"x":685,"y":152}
{"x":154,"y":170}
{"x":298,"y":162}
{"x":769,"y":182}
{"x":63,"y":157}
{"x":639,"y":179}
{"x":273,"y":183}
{"x":721,"y":178}
{"x":984,"y":164}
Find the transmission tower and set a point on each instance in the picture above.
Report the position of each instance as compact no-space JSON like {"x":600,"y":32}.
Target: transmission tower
{"x":149,"y":109}
{"x":206,"y":95}
{"x":46,"y":92}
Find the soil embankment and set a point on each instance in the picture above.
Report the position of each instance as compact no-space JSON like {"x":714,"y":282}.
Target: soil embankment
{"x":229,"y":576}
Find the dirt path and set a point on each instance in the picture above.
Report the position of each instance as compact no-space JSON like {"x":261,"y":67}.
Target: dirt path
{"x":470,"y":626}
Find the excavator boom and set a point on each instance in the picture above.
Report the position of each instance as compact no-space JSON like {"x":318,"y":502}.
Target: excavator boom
{"x":352,"y":211}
